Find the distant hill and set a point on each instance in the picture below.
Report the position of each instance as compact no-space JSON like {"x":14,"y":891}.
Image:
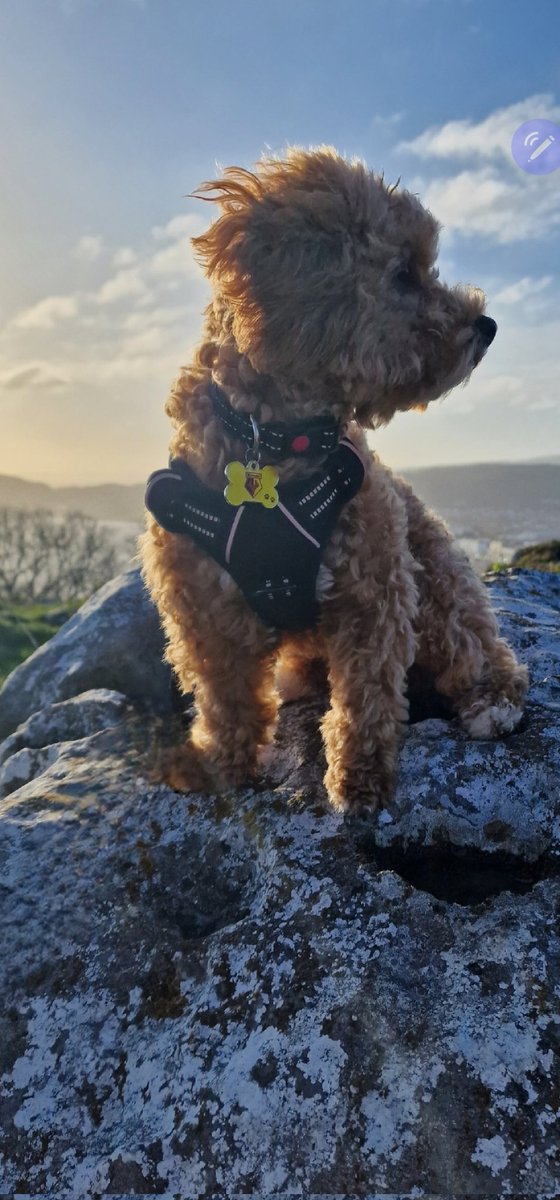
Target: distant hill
{"x":518,"y":503}
{"x":106,"y":502}
{"x":488,"y":486}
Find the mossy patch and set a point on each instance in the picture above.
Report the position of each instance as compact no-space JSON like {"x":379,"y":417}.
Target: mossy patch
{"x":24,"y":627}
{"x":544,"y":556}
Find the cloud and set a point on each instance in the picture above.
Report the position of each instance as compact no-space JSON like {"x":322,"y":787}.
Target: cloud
{"x":46,"y":313}
{"x":184,"y":226}
{"x":525,"y":370}
{"x":491,"y":197}
{"x":487,"y":139}
{"x":88,"y":249}
{"x":522,"y":289}
{"x":170,"y":264}
{"x":36,"y":375}
{"x":509,"y":388}
{"x":173,"y":314}
{"x":125,"y":257}
{"x":147,"y":341}
{"x":125,"y":283}
{"x":483,"y":202}
{"x":387,"y":122}
{"x":173,"y":260}
{"x":138,"y":325}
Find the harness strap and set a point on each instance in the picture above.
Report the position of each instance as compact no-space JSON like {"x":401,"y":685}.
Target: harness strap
{"x":274,"y":554}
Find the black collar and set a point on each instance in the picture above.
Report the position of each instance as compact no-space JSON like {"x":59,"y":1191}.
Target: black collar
{"x":279,"y":440}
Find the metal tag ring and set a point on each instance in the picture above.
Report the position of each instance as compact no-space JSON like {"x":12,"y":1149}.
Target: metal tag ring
{"x":254,"y":452}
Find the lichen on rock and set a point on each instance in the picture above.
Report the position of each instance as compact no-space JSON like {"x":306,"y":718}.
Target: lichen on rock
{"x":250,"y":994}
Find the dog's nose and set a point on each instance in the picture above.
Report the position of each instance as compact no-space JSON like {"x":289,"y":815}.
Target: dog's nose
{"x":487,"y":328}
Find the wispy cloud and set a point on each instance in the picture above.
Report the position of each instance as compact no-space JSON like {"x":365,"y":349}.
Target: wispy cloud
{"x":186,"y":225}
{"x":125,"y":257}
{"x":487,"y":139}
{"x":524,"y":362}
{"x":34,"y":375}
{"x":522,"y":289}
{"x":46,"y":313}
{"x":124,"y":331}
{"x":89,"y":248}
{"x":388,"y":122}
{"x":490,"y":197}
{"x":127,"y":283}
{"x":486,"y":203}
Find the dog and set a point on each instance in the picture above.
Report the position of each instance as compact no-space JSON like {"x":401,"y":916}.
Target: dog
{"x":327,"y":317}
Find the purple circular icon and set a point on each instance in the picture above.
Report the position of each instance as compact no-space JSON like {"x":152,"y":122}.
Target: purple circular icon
{"x":536,"y":146}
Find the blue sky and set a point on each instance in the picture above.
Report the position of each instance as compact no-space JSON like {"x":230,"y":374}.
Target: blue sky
{"x":117,"y":108}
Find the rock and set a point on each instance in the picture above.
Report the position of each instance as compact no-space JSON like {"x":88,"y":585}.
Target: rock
{"x":114,"y":641}
{"x":248,"y":994}
{"x":37,"y":742}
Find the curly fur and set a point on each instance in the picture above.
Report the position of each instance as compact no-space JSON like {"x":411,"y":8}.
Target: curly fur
{"x":326,"y":297}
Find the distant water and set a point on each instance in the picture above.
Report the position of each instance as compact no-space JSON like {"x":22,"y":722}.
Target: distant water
{"x":125,"y":537}
{"x":484,"y":551}
{"x":480,"y":551}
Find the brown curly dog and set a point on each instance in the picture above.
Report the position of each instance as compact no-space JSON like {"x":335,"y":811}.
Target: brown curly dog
{"x":327,"y":315}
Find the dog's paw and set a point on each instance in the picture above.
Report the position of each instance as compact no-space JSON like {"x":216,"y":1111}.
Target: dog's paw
{"x":183,"y":769}
{"x":357,"y":799}
{"x":495,"y":706}
{"x":486,"y":720}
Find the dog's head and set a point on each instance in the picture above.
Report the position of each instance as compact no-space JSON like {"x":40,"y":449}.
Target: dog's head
{"x":326,"y":273}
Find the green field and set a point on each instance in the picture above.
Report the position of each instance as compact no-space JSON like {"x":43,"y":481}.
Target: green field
{"x":24,"y":627}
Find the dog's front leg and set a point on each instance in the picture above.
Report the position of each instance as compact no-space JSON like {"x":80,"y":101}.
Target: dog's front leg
{"x":220,"y":650}
{"x":236,"y":708}
{"x":235,"y":705}
{"x":368,"y":625}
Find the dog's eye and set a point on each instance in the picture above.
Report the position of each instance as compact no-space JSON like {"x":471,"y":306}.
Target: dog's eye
{"x":406,"y":276}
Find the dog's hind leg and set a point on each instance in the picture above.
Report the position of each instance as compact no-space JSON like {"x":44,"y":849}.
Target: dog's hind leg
{"x":300,"y":669}
{"x":458,"y":635}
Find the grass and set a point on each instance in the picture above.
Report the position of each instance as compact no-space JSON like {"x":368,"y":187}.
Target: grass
{"x":545,"y":556}
{"x":24,"y":627}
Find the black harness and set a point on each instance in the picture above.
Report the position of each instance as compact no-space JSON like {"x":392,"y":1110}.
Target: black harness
{"x":272,"y":553}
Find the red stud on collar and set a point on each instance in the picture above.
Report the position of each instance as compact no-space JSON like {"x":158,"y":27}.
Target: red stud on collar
{"x":300,"y":444}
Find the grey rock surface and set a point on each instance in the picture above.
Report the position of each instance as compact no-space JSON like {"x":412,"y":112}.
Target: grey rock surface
{"x":247,"y":994}
{"x":114,"y":641}
{"x":37,"y":742}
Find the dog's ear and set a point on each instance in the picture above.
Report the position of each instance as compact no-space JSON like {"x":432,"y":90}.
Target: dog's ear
{"x":283,"y":264}
{"x":224,"y":251}
{"x":237,"y":194}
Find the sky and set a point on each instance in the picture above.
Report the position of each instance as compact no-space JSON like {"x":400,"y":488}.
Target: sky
{"x":113,"y":110}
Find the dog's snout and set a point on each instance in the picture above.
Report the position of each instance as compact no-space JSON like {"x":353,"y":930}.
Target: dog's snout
{"x":487,"y":327}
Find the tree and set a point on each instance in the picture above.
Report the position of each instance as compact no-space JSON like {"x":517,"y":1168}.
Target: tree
{"x":50,"y":557}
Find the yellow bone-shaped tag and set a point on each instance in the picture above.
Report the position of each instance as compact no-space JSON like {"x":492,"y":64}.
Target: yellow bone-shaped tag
{"x":251,"y":483}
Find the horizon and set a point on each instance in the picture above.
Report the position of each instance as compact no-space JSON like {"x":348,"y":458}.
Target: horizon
{"x":118,"y":116}
{"x":552,"y":461}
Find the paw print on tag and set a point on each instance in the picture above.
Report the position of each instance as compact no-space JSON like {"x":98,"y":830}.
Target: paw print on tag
{"x":251,"y":483}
